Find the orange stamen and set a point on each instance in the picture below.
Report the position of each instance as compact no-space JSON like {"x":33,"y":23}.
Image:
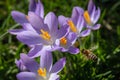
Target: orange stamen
{"x":72,"y":26}
{"x":42,"y":72}
{"x":45,"y":35}
{"x":87,"y":17}
{"x":63,"y":41}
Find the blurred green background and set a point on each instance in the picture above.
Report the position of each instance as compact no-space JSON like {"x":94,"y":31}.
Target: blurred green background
{"x":106,"y":40}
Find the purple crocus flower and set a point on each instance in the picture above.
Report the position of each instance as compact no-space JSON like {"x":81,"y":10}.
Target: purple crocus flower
{"x":44,"y":71}
{"x":91,"y":16}
{"x":76,"y":22}
{"x":67,"y":42}
{"x":43,"y":33}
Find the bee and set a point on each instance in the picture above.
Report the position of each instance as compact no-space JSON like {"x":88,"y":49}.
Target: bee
{"x":89,"y":54}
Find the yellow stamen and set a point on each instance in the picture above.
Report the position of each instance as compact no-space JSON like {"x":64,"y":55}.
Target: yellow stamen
{"x":72,"y":26}
{"x":87,"y":17}
{"x":45,"y":35}
{"x":63,"y":41}
{"x":27,"y":17}
{"x":42,"y":72}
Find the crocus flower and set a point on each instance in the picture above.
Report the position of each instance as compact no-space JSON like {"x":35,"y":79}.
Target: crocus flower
{"x":76,"y":23}
{"x":67,"y":42}
{"x":44,"y":32}
{"x":44,"y":71}
{"x":91,"y":16}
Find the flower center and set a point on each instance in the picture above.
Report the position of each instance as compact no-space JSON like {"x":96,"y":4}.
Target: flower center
{"x":45,"y":35}
{"x":42,"y":72}
{"x":87,"y":18}
{"x":63,"y":41}
{"x":72,"y":26}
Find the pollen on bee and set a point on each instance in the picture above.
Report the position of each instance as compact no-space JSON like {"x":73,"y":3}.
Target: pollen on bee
{"x":72,"y":26}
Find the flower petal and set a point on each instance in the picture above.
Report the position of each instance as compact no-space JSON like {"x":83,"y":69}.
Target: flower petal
{"x":19,"y":17}
{"x":39,"y":9}
{"x":35,"y":51}
{"x":90,"y":6}
{"x":37,"y":22}
{"x":62,"y":31}
{"x":73,"y":50}
{"x":32,"y":5}
{"x":16,"y":31}
{"x":58,"y":66}
{"x":85,"y":33}
{"x":46,"y":61}
{"x":30,"y":38}
{"x":97,"y":26}
{"x":62,"y":20}
{"x":29,"y":63}
{"x":20,"y":65}
{"x":54,"y":77}
{"x":77,"y":11}
{"x":97,"y":15}
{"x":26,"y":76}
{"x":52,"y":22}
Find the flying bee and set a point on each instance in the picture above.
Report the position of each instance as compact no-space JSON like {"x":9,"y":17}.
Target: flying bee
{"x":89,"y":54}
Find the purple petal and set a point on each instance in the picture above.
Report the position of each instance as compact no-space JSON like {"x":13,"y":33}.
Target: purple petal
{"x":32,"y":5}
{"x":16,"y":31}
{"x":52,"y":22}
{"x":37,"y":22}
{"x":20,"y":65}
{"x":90,"y":6}
{"x":85,"y":33}
{"x":62,"y":20}
{"x":39,"y":9}
{"x":28,"y":26}
{"x":72,"y":37}
{"x":73,"y":50}
{"x":46,"y":61}
{"x":77,"y":11}
{"x":54,"y":77}
{"x":30,"y":38}
{"x":58,"y":66}
{"x":29,"y":63}
{"x":80,"y":23}
{"x":97,"y":15}
{"x":35,"y":51}
{"x":19,"y":17}
{"x":26,"y":76}
{"x":62,"y":31}
{"x":93,"y":14}
{"x":97,"y":26}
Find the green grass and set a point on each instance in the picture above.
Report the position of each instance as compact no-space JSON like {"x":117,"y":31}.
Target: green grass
{"x":107,"y":41}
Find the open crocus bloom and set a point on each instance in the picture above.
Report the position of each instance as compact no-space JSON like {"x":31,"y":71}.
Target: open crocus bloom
{"x":91,"y":16}
{"x":44,"y":71}
{"x":67,"y":42}
{"x":76,"y":23}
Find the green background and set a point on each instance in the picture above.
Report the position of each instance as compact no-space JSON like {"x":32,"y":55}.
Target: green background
{"x":106,"y":41}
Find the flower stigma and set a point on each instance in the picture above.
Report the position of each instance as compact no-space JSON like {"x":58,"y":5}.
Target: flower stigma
{"x":63,"y":41}
{"x":42,"y":72}
{"x":72,"y":26}
{"x":87,"y":18}
{"x":45,"y":35}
